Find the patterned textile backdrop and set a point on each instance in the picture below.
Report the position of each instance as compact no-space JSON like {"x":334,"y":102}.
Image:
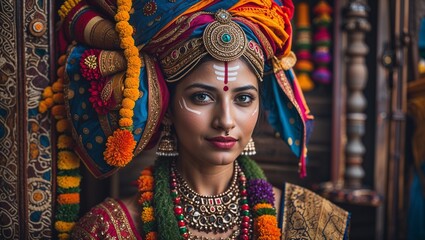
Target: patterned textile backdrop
{"x":26,"y":195}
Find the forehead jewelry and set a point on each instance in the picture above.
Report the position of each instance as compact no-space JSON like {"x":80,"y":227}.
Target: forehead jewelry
{"x":224,"y":39}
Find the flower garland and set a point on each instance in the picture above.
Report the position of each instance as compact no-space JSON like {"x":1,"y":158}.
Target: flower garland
{"x":260,"y":194}
{"x":115,"y":154}
{"x":66,"y":7}
{"x":68,"y":163}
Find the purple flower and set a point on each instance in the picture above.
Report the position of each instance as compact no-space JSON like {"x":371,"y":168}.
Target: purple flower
{"x":260,"y":191}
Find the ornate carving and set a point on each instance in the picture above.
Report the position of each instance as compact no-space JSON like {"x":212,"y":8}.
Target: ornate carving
{"x":23,"y":130}
{"x":356,"y":26}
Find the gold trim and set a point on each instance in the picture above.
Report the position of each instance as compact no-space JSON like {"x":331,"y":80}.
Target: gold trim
{"x":154,"y":104}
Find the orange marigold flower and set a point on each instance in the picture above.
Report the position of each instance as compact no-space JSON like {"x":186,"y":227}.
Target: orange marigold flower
{"x":131,"y":82}
{"x":61,"y":59}
{"x":59,"y":110}
{"x":148,"y":214}
{"x":131,"y":51}
{"x":58,"y":98}
{"x":69,"y":198}
{"x":147,"y":171}
{"x":60,"y":72}
{"x":145,"y":183}
{"x":64,"y":236}
{"x":131,"y":93}
{"x":57,"y":86}
{"x":128,"y":103}
{"x":63,"y":125}
{"x":48,"y":102}
{"x":265,"y":227}
{"x":65,"y":141}
{"x":126,"y":113}
{"x":62,"y":226}
{"x":125,"y":122}
{"x":47,"y":92}
{"x":42,"y":107}
{"x":146,"y":197}
{"x":134,"y":61}
{"x":151,"y":236}
{"x":262,"y":205}
{"x":124,"y":5}
{"x":126,"y":42}
{"x":124,"y":29}
{"x":122,"y":16}
{"x":119,"y":148}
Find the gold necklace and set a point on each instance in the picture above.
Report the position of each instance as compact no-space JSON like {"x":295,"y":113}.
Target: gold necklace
{"x":218,"y":213}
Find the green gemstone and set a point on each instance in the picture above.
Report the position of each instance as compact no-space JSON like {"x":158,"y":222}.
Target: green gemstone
{"x":183,"y":229}
{"x":226,"y":38}
{"x":245,"y":212}
{"x":244,"y":201}
{"x":174,"y":194}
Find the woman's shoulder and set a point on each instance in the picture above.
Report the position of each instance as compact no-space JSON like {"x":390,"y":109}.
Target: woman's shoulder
{"x":107,"y":220}
{"x":304,"y":213}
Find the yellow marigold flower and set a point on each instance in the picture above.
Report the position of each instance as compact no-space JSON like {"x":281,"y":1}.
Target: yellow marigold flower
{"x":65,"y":141}
{"x":131,"y":93}
{"x":63,"y":125}
{"x":131,"y":82}
{"x":131,"y":51}
{"x":68,"y":160}
{"x":125,"y":122}
{"x":124,"y":29}
{"x":124,"y":5}
{"x":119,"y":148}
{"x":148,"y":214}
{"x":122,"y":16}
{"x":64,"y":236}
{"x":126,"y":113}
{"x":134,"y":61}
{"x":262,"y":205}
{"x":128,"y":103}
{"x":126,"y":42}
{"x":47,"y":92}
{"x":62,"y":226}
{"x":68,"y":181}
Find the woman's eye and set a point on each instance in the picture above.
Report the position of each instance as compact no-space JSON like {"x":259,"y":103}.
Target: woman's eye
{"x":201,"y":98}
{"x":244,"y":99}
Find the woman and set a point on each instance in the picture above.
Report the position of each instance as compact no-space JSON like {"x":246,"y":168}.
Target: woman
{"x":205,"y":70}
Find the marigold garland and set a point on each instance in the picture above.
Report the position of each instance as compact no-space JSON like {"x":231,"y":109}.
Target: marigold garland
{"x":115,"y":154}
{"x":68,"y":178}
{"x":66,"y":7}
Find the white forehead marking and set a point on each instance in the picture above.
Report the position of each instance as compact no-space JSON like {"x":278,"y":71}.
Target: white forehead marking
{"x":231,"y":74}
{"x":187,"y":108}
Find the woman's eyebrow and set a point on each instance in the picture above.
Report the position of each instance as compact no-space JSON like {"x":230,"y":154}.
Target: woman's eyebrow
{"x":245,"y":88}
{"x":201,"y":85}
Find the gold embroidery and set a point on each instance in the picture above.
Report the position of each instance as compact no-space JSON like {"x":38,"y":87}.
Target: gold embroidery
{"x":309,"y":216}
{"x":155,"y":102}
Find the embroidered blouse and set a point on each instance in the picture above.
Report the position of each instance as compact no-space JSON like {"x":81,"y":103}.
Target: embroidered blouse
{"x":303,"y":215}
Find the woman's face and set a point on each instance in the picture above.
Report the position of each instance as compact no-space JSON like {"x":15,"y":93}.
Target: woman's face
{"x":215,"y":98}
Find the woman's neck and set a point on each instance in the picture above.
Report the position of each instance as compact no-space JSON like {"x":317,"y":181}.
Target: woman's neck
{"x":206,"y":180}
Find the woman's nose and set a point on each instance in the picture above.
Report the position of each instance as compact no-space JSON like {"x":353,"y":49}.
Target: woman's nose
{"x":224,"y":116}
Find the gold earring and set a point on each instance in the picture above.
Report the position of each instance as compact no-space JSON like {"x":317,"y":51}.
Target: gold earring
{"x":249,"y":149}
{"x":167,"y":145}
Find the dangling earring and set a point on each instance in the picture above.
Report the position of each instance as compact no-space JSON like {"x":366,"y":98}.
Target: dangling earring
{"x":167,"y":145}
{"x":249,"y":149}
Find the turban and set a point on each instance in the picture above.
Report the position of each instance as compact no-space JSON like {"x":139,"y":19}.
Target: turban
{"x":122,"y":54}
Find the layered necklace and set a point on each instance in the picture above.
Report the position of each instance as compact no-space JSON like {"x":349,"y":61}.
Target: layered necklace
{"x":219,"y":213}
{"x":170,"y":207}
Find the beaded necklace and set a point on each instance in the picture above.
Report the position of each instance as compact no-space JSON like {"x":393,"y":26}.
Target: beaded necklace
{"x":155,"y":190}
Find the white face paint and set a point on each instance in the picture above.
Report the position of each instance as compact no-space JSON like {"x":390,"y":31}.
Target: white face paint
{"x":184,"y":106}
{"x":255,"y":111}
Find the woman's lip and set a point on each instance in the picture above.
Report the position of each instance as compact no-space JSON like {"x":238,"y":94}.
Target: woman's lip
{"x":222,"y":142}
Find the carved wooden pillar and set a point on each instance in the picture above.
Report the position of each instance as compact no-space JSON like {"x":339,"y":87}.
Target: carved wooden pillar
{"x":26,"y":181}
{"x":356,"y":26}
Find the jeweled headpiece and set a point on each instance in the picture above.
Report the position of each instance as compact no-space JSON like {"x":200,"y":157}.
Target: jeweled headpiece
{"x":123,"y":53}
